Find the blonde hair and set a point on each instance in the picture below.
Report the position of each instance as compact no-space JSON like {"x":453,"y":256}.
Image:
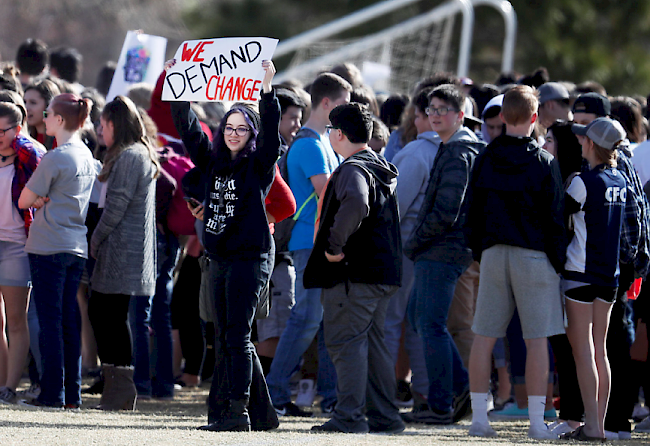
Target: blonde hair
{"x":607,"y":156}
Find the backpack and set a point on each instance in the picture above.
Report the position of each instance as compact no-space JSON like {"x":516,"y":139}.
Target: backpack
{"x":284,"y":228}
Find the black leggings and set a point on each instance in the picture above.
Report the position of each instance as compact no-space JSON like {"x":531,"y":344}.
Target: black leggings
{"x":108,"y":315}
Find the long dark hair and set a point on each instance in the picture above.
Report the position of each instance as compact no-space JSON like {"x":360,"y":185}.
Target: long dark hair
{"x":221,"y":150}
{"x":128,"y":129}
{"x":567,"y":146}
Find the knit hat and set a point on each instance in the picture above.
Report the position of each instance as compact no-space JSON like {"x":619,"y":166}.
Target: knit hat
{"x":605,"y":132}
{"x":252,"y":117}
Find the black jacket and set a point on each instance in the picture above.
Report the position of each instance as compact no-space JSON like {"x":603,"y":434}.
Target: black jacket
{"x":517,"y":199}
{"x":236,"y":226}
{"x":359,"y":217}
{"x":438,"y":233}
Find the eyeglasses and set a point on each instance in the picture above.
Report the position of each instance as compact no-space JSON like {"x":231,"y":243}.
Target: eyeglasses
{"x":239,"y":131}
{"x":440,"y":111}
{"x":3,"y":131}
{"x":329,"y":128}
{"x":47,"y":113}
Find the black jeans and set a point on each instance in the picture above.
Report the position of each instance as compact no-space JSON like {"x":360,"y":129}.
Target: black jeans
{"x":108,"y":315}
{"x":571,"y":406}
{"x":237,"y":374}
{"x":185,"y":315}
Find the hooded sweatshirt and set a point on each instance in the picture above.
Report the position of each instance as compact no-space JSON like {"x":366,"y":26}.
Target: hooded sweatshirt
{"x":517,"y":200}
{"x":359,"y":218}
{"x":414,"y":163}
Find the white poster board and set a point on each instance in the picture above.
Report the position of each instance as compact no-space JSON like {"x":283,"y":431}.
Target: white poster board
{"x":141,"y":60}
{"x":216,"y":70}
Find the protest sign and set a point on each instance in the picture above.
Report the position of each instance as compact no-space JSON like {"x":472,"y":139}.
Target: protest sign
{"x":212,"y":70}
{"x":141,"y":60}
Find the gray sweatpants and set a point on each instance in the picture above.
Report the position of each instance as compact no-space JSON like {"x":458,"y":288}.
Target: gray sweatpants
{"x":353,"y":320}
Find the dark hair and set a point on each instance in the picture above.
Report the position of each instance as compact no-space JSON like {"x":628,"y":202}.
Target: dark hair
{"x":449,"y":94}
{"x":45,"y":88}
{"x":354,"y":120}
{"x":628,"y":112}
{"x":350,"y":72}
{"x":14,"y":98}
{"x":128,"y":129}
{"x":535,"y":79}
{"x":73,"y":109}
{"x":221,"y":151}
{"x":67,"y":63}
{"x":506,"y":78}
{"x":328,"y":85}
{"x":365,"y":95}
{"x":421,"y":99}
{"x":590,"y":87}
{"x":105,"y":77}
{"x":288,"y":98}
{"x":438,"y":79}
{"x":99,"y":101}
{"x":12,"y":112}
{"x":391,"y":110}
{"x":32,"y":57}
{"x":379,"y":130}
{"x":567,"y":146}
{"x":9,"y":79}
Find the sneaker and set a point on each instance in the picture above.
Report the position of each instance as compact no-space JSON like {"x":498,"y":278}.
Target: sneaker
{"x":620,"y":435}
{"x":330,"y":426}
{"x":395,"y":427}
{"x":306,"y":393}
{"x":542,"y":433}
{"x":624,"y":435}
{"x":291,"y":410}
{"x":33,"y":392}
{"x":34,"y":403}
{"x":328,"y":410}
{"x":404,"y":396}
{"x":550,"y":414}
{"x":643,"y":426}
{"x":640,"y":412}
{"x":499,"y":403}
{"x":8,"y":396}
{"x":461,"y":405}
{"x":428,"y":417}
{"x":511,"y":410}
{"x":560,"y":427}
{"x":481,"y":430}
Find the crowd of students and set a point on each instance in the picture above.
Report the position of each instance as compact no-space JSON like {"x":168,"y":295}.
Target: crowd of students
{"x":489,"y":241}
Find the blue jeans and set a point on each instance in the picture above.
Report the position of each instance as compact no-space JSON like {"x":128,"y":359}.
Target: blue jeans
{"x":302,"y":326}
{"x":427,"y":311}
{"x":55,"y":279}
{"x":155,"y":313}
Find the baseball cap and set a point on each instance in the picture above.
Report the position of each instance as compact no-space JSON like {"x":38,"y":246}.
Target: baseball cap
{"x":552,"y":91}
{"x":605,"y":132}
{"x":592,"y":103}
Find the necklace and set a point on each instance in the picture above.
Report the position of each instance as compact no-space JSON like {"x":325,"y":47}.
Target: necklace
{"x":4,"y":158}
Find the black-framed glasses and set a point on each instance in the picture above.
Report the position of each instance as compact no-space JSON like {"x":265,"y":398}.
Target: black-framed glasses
{"x":239,"y":131}
{"x":440,"y":111}
{"x":329,"y":128}
{"x":3,"y":131}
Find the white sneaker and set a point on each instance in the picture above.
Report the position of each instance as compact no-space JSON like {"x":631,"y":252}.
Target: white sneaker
{"x":481,"y":430}
{"x":560,"y":427}
{"x":643,"y":426}
{"x":542,"y":433}
{"x":306,"y":393}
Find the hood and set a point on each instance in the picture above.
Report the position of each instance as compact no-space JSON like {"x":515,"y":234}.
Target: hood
{"x":496,"y":101}
{"x":513,"y":153}
{"x":376,"y":165}
{"x":463,"y":134}
{"x":431,"y":136}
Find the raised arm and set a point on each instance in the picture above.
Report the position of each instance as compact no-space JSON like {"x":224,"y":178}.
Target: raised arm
{"x":268,"y":140}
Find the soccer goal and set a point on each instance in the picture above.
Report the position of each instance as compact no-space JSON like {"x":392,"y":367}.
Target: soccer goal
{"x":397,"y":57}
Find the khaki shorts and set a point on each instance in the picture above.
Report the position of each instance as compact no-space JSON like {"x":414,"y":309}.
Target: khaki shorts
{"x":523,"y":278}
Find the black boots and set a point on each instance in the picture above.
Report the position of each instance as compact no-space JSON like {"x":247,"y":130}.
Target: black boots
{"x":119,"y":388}
{"x":235,"y":419}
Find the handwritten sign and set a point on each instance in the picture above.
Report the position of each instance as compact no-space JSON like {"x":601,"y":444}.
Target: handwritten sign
{"x":214,"y":70}
{"x":141,"y":60}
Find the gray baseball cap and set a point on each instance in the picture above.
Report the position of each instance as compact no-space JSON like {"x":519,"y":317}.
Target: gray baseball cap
{"x":552,"y":91}
{"x":605,"y":132}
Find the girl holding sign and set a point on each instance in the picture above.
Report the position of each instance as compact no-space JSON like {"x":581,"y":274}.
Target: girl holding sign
{"x":240,"y":168}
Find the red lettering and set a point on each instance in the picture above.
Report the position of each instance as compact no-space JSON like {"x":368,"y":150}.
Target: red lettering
{"x":200,"y":48}
{"x":239,"y":85}
{"x":247,"y":91}
{"x":187,"y":54}
{"x":219,"y":87}
{"x":254,"y":91}
{"x":228,"y":87}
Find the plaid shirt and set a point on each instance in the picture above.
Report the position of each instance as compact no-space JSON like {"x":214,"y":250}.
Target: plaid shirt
{"x":634,"y":233}
{"x":29,"y":155}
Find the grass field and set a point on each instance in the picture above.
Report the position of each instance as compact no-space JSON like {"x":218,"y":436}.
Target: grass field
{"x":174,"y":423}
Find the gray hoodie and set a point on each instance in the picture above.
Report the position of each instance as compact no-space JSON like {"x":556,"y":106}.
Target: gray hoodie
{"x":414,"y":163}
